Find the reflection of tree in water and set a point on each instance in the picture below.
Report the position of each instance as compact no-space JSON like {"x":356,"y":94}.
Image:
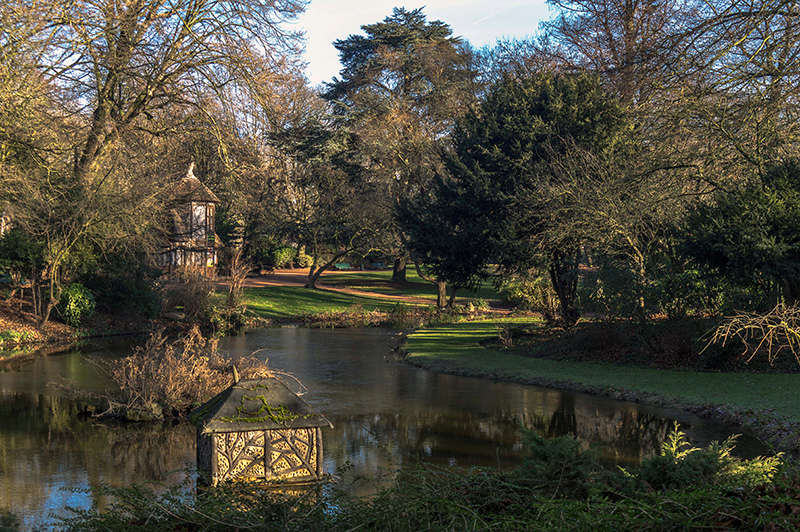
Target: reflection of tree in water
{"x":622,"y":435}
{"x":46,"y":451}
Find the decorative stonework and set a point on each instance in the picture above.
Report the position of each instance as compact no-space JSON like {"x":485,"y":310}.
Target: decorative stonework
{"x":293,"y":453}
{"x":259,"y":431}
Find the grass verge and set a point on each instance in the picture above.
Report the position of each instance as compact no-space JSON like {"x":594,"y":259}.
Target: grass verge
{"x":765,"y":403}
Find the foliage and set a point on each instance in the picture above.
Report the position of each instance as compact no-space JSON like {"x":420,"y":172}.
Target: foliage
{"x":9,"y":522}
{"x":403,"y":83}
{"x":269,"y":254}
{"x":492,"y":196}
{"x":14,"y":337}
{"x":579,"y":493}
{"x":166,"y":377}
{"x":126,"y":283}
{"x":226,"y":321}
{"x":19,"y":252}
{"x":679,"y":464}
{"x":303,"y":260}
{"x":531,"y":292}
{"x":76,"y":305}
{"x":747,"y":235}
{"x":557,"y":466}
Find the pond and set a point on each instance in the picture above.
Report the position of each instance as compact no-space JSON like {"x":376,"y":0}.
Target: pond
{"x":385,"y":414}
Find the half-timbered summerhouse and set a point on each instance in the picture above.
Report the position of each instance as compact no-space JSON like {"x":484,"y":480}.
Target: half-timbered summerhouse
{"x":192,"y":240}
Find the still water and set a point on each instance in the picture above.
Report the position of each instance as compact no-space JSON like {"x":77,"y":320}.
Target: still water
{"x":385,"y":414}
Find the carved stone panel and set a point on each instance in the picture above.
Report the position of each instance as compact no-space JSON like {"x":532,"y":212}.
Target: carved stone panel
{"x":240,"y":455}
{"x":294,"y":454}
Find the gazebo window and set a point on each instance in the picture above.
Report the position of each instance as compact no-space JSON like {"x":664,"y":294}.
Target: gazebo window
{"x":199,"y":221}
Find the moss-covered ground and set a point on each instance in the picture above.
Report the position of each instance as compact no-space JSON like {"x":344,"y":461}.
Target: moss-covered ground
{"x":471,"y":349}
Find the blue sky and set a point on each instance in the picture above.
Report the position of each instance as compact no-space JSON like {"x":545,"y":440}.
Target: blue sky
{"x":479,"y":21}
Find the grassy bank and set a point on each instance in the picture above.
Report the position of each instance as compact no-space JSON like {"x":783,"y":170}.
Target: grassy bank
{"x":765,"y":402}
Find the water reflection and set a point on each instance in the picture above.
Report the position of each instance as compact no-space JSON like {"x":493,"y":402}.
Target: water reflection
{"x":385,"y":414}
{"x":47,"y":452}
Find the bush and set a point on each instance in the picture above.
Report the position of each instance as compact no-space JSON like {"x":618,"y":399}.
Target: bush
{"x":192,"y":293}
{"x":163,"y":377}
{"x":534,"y":293}
{"x":126,"y":284}
{"x":14,"y":337}
{"x":283,"y":256}
{"x":8,"y":522}
{"x":303,"y":261}
{"x":679,"y":465}
{"x":227,"y":320}
{"x":76,"y":304}
{"x":559,"y":487}
{"x":557,"y":465}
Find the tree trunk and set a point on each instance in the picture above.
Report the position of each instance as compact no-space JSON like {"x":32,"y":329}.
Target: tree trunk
{"x":315,"y":272}
{"x":564,"y":276}
{"x":451,"y":302}
{"x":313,"y":275}
{"x":399,"y":269}
{"x":441,"y":295}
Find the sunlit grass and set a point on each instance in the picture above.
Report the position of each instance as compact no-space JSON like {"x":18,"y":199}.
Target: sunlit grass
{"x":458,"y":347}
{"x":381,"y":282}
{"x":294,"y":301}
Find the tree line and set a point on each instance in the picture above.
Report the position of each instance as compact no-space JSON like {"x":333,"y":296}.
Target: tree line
{"x":636,"y":158}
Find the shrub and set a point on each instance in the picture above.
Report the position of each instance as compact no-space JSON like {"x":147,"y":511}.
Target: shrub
{"x":76,"y":304}
{"x":477,"y":305}
{"x":162,"y":376}
{"x":534,"y":293}
{"x":303,"y":261}
{"x":8,"y":522}
{"x":679,"y":465}
{"x":225,"y":321}
{"x":283,"y":256}
{"x":557,"y":465}
{"x":192,"y":293}
{"x":13,"y":337}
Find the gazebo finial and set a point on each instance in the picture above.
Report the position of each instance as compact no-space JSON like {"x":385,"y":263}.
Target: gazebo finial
{"x":190,"y":171}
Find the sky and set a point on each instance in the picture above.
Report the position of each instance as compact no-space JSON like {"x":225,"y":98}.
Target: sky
{"x":481,"y":22}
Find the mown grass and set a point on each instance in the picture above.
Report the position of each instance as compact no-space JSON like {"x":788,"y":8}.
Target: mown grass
{"x":381,"y":282}
{"x":281,"y":302}
{"x":458,"y":347}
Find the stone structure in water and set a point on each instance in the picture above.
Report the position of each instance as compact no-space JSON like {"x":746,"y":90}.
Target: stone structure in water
{"x":259,"y":430}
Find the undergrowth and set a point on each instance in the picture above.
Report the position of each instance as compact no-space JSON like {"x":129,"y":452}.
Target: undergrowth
{"x":168,"y":378}
{"x":559,"y":486}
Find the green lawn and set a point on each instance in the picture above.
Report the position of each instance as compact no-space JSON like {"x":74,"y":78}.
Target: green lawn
{"x":380,"y":281}
{"x":293,"y":301}
{"x":457,"y":347}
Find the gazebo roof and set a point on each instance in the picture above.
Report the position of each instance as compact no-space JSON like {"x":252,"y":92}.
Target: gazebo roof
{"x":189,"y":188}
{"x":262,"y":404}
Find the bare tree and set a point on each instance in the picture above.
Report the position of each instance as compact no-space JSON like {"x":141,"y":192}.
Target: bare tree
{"x":116,"y":75}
